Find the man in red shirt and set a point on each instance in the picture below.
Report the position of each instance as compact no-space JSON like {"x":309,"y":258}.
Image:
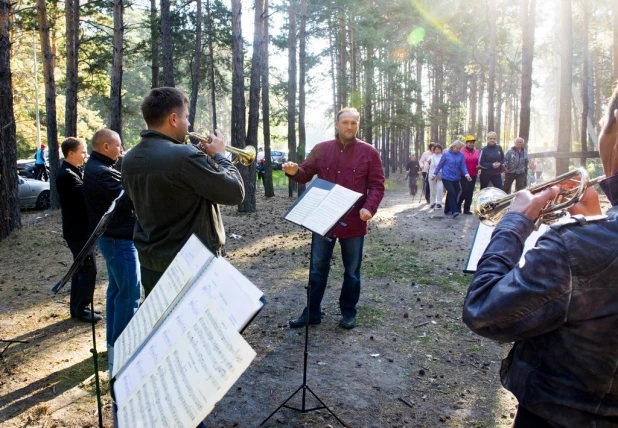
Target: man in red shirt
{"x":356,"y":165}
{"x":471,"y":156}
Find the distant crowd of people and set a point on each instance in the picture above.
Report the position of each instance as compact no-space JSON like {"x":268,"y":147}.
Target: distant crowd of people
{"x":456,"y":171}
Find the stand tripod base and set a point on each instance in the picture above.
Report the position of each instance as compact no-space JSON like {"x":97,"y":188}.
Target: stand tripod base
{"x":303,"y":388}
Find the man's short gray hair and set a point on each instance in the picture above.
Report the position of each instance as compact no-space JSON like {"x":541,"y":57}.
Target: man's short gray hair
{"x":492,"y":134}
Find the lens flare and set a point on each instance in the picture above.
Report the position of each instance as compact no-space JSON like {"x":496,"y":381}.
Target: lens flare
{"x":440,"y":26}
{"x":416,"y":36}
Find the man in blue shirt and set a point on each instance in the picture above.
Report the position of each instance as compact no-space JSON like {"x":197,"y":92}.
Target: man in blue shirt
{"x":40,"y":169}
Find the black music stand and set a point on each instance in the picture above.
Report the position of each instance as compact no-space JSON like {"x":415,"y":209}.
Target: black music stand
{"x":77,"y":264}
{"x":304,"y":387}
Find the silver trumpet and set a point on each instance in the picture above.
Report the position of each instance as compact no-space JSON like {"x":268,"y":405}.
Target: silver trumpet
{"x":490,"y":204}
{"x":245,"y":156}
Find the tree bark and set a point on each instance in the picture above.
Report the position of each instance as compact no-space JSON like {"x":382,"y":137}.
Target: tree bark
{"x":254,"y":98}
{"x":292,"y":90}
{"x":10,"y":217}
{"x":72,"y":49}
{"x":491,"y":84}
{"x":585,"y":81}
{"x":269,"y":191}
{"x":472,"y":111}
{"x":115,"y":115}
{"x":615,"y":45}
{"x":50,"y":100}
{"x":527,"y":55}
{"x":342,"y":87}
{"x":238,"y":99}
{"x":155,"y":39}
{"x":369,"y":89}
{"x":566,"y":82}
{"x":212,"y":68}
{"x":166,"y":44}
{"x":197,"y":64}
{"x":302,"y":77}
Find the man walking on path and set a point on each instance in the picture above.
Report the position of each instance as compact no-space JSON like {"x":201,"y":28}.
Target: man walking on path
{"x":516,"y":164}
{"x":40,"y":166}
{"x":425,"y":165}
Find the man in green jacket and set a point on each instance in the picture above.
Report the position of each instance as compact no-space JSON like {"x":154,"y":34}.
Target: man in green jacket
{"x":176,"y":188}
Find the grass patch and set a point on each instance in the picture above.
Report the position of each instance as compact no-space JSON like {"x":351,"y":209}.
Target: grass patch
{"x":370,"y":315}
{"x":401,"y":263}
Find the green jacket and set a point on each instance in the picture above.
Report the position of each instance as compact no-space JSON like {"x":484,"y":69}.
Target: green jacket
{"x":176,"y":190}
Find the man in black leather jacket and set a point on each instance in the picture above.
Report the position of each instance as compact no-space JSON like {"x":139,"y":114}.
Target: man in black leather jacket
{"x":103,"y":184}
{"x":176,"y":187}
{"x":560,"y":306}
{"x":75,"y":226}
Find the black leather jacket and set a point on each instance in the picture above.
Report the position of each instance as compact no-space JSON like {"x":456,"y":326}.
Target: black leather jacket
{"x":561,"y":308}
{"x":176,"y":190}
{"x":103,"y":184}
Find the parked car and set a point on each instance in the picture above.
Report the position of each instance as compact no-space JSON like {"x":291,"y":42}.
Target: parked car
{"x":33,"y":194}
{"x":277,"y":158}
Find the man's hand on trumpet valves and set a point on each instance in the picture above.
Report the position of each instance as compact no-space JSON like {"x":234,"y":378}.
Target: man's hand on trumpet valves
{"x":290,"y":168}
{"x":216,"y":144}
{"x":531,"y":205}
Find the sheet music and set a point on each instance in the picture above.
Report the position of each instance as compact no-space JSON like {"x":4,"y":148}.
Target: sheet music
{"x":482,"y":238}
{"x":331,"y":209}
{"x":185,"y":265}
{"x":307,"y":205}
{"x":188,"y":367}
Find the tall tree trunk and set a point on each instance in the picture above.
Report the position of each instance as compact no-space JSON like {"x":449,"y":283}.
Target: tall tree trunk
{"x":292,"y":90}
{"x":72,"y":49}
{"x":155,"y":39}
{"x":268,"y":175}
{"x":197,"y":64}
{"x":302,"y":72}
{"x":249,"y":204}
{"x":50,"y":100}
{"x":369,"y":92}
{"x":472,"y":110}
{"x":527,"y":55}
{"x":499,"y":106}
{"x":238,"y":99}
{"x":615,"y":45}
{"x":492,"y":65}
{"x":10,"y":217}
{"x":420,"y":129}
{"x":115,"y":115}
{"x":212,"y":68}
{"x":566,"y":83}
{"x":166,"y":44}
{"x":343,"y":86}
{"x":480,"y":123}
{"x":585,"y":81}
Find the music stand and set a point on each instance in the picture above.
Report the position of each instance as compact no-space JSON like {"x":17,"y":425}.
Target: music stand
{"x":322,"y":184}
{"x":77,"y":264}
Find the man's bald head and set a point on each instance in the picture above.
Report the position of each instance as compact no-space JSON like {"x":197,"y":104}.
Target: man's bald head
{"x":107,"y":142}
{"x":103,"y":136}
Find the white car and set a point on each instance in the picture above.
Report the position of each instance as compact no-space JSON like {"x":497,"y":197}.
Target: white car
{"x":34,"y":194}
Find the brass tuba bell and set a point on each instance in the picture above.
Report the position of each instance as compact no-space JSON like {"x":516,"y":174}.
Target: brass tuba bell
{"x":245,"y":156}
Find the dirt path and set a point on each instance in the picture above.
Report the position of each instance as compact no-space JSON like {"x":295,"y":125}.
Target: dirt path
{"x":409,"y":362}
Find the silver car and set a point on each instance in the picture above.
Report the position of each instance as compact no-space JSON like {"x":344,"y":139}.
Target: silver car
{"x":33,"y":194}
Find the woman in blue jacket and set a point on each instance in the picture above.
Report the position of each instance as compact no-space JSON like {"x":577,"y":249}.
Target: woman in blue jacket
{"x":452,"y":166}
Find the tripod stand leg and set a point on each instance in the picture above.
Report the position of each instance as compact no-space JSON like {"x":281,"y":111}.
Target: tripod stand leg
{"x":282,"y":404}
{"x":325,"y":406}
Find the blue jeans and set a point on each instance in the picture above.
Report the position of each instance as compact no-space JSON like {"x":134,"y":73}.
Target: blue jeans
{"x":123,"y":291}
{"x":351,"y":255}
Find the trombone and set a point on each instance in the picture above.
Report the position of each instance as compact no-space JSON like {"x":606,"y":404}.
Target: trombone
{"x":245,"y":156}
{"x":490,"y":204}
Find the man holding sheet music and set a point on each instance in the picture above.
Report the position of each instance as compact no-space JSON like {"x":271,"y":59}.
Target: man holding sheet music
{"x":355,"y":165}
{"x":560,"y":305}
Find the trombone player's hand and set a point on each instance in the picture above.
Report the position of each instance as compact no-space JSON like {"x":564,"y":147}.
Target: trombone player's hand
{"x":216,"y":145}
{"x":588,"y":204}
{"x":290,"y":168}
{"x":531,"y":205}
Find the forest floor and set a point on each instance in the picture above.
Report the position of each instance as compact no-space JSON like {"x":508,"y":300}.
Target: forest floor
{"x":410,"y":361}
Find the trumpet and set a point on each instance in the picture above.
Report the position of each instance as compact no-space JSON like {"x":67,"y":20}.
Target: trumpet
{"x":490,"y":204}
{"x":245,"y":156}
